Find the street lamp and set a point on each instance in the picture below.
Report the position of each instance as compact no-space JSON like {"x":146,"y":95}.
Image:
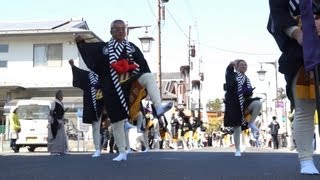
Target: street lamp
{"x":145,"y":40}
{"x":262,"y":73}
{"x":146,"y":43}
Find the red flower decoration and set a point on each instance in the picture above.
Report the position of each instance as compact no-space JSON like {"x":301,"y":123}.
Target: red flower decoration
{"x":132,"y":67}
{"x":122,"y":66}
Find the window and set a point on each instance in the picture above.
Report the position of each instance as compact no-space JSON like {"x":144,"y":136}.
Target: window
{"x":3,"y":64}
{"x":33,"y":111}
{"x":47,"y":55}
{"x":167,"y":86}
{"x":4,"y":48}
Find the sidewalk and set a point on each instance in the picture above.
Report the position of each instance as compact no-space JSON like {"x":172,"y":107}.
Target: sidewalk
{"x":74,"y":146}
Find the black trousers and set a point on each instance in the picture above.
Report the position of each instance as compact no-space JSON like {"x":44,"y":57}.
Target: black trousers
{"x":104,"y":138}
{"x":275,"y":141}
{"x":13,"y":143}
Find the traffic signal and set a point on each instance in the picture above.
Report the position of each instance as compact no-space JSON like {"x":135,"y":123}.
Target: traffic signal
{"x":192,"y":51}
{"x":201,"y":76}
{"x":195,"y":84}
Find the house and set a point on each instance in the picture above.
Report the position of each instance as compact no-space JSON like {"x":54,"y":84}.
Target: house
{"x":36,"y":54}
{"x":34,"y":58}
{"x":173,"y":87}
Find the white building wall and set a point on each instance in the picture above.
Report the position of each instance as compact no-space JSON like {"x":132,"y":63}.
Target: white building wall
{"x":20,"y":70}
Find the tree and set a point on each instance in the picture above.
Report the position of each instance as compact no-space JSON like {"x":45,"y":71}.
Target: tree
{"x":214,"y":105}
{"x":216,"y":120}
{"x":213,"y":126}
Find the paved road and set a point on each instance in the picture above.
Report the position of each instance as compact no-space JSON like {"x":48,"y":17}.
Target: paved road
{"x":202,"y":164}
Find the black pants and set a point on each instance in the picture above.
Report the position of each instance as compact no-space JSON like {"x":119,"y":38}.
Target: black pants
{"x":112,"y":145}
{"x":13,"y":143}
{"x":104,"y":138}
{"x":275,"y":141}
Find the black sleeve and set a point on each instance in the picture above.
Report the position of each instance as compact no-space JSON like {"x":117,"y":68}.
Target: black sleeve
{"x":279,"y":20}
{"x":92,"y":55}
{"x":230,"y":78}
{"x":80,"y":78}
{"x":229,"y":70}
{"x":280,"y":14}
{"x":139,"y":59}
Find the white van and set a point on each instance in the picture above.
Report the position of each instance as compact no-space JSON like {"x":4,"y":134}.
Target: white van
{"x":33,"y":116}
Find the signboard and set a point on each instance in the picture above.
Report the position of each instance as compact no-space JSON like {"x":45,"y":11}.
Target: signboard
{"x":280,"y":104}
{"x":81,"y":126}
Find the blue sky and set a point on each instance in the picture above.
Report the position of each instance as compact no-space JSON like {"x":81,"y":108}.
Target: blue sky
{"x":221,"y":30}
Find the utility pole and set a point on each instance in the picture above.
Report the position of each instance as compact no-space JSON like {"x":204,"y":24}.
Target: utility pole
{"x":200,"y":60}
{"x":189,"y":49}
{"x":189,"y":77}
{"x":159,"y":49}
{"x":160,"y":17}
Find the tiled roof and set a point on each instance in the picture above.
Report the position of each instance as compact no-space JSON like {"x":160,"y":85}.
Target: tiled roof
{"x":40,"y":25}
{"x":172,"y":76}
{"x":48,"y":27}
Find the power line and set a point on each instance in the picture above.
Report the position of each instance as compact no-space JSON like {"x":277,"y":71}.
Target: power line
{"x":238,"y":52}
{"x":153,"y":13}
{"x":211,"y":46}
{"x":177,"y":24}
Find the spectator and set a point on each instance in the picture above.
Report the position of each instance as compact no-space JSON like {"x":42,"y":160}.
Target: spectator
{"x":15,"y":128}
{"x":274,"y":128}
{"x":57,"y":139}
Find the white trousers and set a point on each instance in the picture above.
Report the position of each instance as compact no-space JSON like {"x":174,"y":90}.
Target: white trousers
{"x":254,"y":108}
{"x":303,"y":125}
{"x":96,"y":125}
{"x":119,"y":135}
{"x":236,"y":137}
{"x":317,"y":144}
{"x":148,"y":81}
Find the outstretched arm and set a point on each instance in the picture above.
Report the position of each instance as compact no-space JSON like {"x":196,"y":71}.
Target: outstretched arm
{"x":80,"y":76}
{"x":230,"y":77}
{"x":91,"y":53}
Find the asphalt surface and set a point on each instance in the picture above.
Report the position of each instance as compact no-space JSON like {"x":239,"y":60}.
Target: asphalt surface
{"x":202,"y":164}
